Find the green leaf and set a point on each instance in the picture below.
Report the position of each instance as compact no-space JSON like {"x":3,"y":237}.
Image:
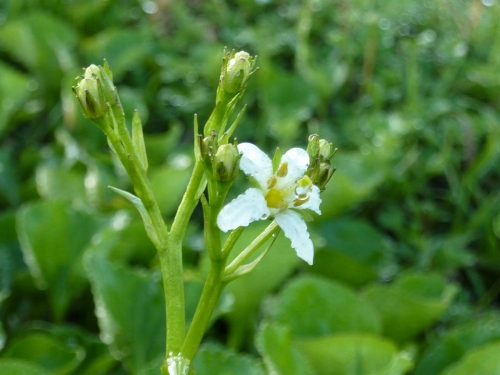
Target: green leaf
{"x":274,"y":343}
{"x":456,"y":343}
{"x":130,"y":309}
{"x":47,"y":352}
{"x":97,"y":359}
{"x":9,"y":180}
{"x":317,"y":307}
{"x":353,"y":354}
{"x":213,"y":359}
{"x":20,"y":367}
{"x":53,"y":236}
{"x":354,"y":252}
{"x":411,"y":304}
{"x":55,"y":182}
{"x":13,"y":94}
{"x":41,"y":42}
{"x":480,"y":361}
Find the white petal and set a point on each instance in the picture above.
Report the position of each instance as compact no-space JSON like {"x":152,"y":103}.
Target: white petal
{"x":313,"y":202}
{"x":243,"y":210}
{"x":295,"y":229}
{"x":298,"y":161}
{"x":255,"y":163}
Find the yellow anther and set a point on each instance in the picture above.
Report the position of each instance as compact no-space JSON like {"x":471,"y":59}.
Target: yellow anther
{"x":282,"y":170}
{"x":271,"y":182}
{"x":300,"y":201}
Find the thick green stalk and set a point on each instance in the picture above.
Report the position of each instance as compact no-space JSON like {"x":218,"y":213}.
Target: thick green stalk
{"x":208,"y":300}
{"x":171,"y":259}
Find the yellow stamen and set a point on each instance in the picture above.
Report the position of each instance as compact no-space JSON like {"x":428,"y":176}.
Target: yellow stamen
{"x":282,"y":170}
{"x":271,"y":182}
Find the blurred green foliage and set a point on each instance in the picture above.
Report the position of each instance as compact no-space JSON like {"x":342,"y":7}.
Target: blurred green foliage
{"x":407,"y":270}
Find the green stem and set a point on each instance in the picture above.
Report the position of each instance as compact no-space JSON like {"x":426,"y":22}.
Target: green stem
{"x":250,"y":249}
{"x":208,"y":300}
{"x":171,"y":263}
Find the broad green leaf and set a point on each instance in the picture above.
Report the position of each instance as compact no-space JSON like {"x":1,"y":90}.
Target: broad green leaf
{"x":249,"y":290}
{"x":130,"y":309}
{"x":53,"y":236}
{"x":21,"y":367}
{"x":456,"y":343}
{"x":314,"y":307}
{"x":274,"y":343}
{"x":42,"y":43}
{"x":354,"y":354}
{"x":353,"y":252}
{"x":56,"y":182}
{"x":213,"y":359}
{"x":13,"y":94}
{"x":411,"y":304}
{"x":9,"y":180}
{"x":46,"y":351}
{"x":96,"y":361}
{"x":483,"y":360}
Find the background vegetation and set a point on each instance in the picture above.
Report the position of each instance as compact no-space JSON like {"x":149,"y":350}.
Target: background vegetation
{"x":407,"y":270}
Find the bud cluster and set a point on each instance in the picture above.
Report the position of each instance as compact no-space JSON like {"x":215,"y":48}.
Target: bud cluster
{"x":320,"y":153}
{"x":221,"y":161}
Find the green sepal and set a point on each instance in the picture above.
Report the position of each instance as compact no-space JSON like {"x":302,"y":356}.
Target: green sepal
{"x":225,"y":137}
{"x":136,"y":201}
{"x":138,"y":141}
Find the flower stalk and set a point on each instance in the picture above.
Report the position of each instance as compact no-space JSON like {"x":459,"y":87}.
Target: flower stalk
{"x":284,"y":186}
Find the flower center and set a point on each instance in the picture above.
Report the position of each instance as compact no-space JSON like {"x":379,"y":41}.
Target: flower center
{"x":274,"y":199}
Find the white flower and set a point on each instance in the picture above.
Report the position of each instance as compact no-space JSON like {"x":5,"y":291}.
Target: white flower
{"x":278,"y":195}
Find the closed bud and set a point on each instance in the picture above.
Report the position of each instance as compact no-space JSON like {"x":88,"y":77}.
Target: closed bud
{"x":95,"y":90}
{"x":235,"y":73}
{"x":209,"y":145}
{"x":226,"y":163}
{"x":90,"y":94}
{"x":326,"y":150}
{"x":313,"y":146}
{"x":324,"y":174}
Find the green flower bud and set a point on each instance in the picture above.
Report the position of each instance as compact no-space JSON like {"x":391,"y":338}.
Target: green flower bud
{"x":95,"y":90}
{"x":90,"y":93}
{"x":226,"y":163}
{"x":313,"y":146}
{"x":235,"y":73}
{"x":324,"y":174}
{"x":209,"y":145}
{"x":326,"y":150}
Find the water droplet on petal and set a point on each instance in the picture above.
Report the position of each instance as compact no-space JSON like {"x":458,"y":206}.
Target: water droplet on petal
{"x":264,"y":217}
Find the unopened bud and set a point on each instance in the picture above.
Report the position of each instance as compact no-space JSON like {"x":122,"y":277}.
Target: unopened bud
{"x":313,"y":146}
{"x":326,"y":150}
{"x":226,"y":163}
{"x":95,"y":90}
{"x":90,"y":94}
{"x":235,"y":74}
{"x":324,"y":174}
